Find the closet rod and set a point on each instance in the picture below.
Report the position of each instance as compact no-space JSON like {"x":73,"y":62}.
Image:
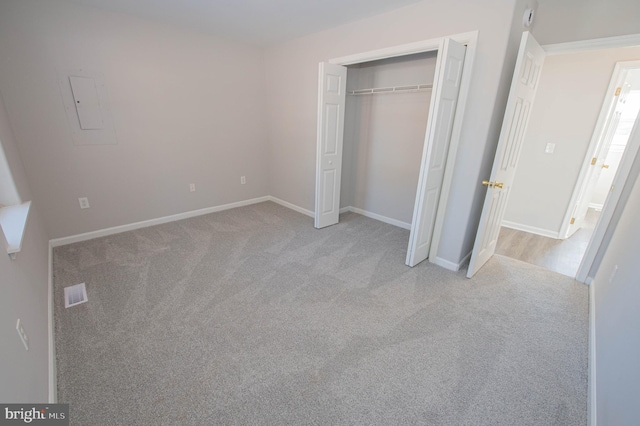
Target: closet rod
{"x":394,"y":89}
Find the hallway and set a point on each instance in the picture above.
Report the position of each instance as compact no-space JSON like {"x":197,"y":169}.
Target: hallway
{"x":562,"y":256}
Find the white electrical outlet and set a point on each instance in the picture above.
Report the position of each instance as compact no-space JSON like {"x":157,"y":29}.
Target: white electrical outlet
{"x":549,"y":148}
{"x":192,"y":187}
{"x":23,"y":335}
{"x":84,"y":202}
{"x":243,"y":180}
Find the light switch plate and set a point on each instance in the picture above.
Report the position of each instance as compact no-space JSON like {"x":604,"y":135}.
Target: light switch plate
{"x":550,"y":148}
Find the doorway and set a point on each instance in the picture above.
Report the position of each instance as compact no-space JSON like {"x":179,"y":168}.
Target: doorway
{"x":561,"y":250}
{"x":543,"y":183}
{"x":450,"y":87}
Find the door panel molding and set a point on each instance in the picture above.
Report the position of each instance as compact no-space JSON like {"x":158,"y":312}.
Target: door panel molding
{"x":442,"y":111}
{"x":331,"y":107}
{"x":522,"y":93}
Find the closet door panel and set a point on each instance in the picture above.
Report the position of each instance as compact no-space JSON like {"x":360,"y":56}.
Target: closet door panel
{"x":331,"y":100}
{"x":442,"y":112}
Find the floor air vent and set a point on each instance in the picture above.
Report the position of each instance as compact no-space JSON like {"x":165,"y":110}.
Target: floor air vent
{"x":75,"y":295}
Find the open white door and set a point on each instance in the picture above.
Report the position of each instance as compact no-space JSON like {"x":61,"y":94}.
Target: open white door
{"x":442,"y":112}
{"x":331,"y":101}
{"x":516,"y":118}
{"x":596,"y":162}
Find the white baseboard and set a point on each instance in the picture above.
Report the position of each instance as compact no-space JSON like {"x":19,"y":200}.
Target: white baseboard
{"x":53,"y":377}
{"x":165,"y":219}
{"x":158,"y":221}
{"x":592,"y":404}
{"x":447,"y":264}
{"x":531,"y":229}
{"x":376,"y":216}
{"x":291,"y":206}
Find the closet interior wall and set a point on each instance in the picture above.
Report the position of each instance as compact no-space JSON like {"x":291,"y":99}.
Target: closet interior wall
{"x":384,"y":135}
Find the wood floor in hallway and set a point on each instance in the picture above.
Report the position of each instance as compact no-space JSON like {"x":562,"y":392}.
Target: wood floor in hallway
{"x":563,"y":256}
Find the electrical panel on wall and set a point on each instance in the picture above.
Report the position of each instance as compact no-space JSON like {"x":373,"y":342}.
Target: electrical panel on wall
{"x":86,"y":105}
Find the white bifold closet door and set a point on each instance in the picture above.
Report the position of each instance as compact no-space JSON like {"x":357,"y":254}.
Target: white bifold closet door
{"x":331,"y":102}
{"x":331,"y":109}
{"x":444,"y":100}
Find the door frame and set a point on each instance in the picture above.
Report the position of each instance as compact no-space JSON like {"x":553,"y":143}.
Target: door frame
{"x":470,"y":39}
{"x":629,"y":168}
{"x":618,"y":76}
{"x":627,"y":171}
{"x":614,"y":205}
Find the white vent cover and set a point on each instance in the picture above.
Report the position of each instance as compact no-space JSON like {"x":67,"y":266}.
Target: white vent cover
{"x":74,"y":295}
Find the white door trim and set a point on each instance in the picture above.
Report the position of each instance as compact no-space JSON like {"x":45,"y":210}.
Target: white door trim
{"x":604,"y":229}
{"x":470,"y":39}
{"x":608,"y":105}
{"x":629,"y":40}
{"x":613,"y":207}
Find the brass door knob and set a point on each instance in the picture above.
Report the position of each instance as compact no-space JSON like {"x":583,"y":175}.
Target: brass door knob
{"x":492,"y":184}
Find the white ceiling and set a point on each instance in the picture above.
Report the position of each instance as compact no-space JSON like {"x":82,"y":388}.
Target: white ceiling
{"x":258,"y":22}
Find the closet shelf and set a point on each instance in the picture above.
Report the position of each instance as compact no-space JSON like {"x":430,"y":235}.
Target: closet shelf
{"x":395,"y":89}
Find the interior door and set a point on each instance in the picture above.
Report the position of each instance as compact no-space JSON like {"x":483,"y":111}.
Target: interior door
{"x":442,"y":112}
{"x":598,"y":160}
{"x":516,"y":118}
{"x":331,"y":101}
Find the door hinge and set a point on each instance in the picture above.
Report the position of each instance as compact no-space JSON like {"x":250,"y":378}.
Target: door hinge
{"x":594,"y":160}
{"x":618,"y":90}
{"x":573,"y":220}
{"x":611,"y":189}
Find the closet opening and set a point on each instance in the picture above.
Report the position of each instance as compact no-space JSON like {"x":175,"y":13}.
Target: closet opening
{"x":388,"y":128}
{"x":386,"y":112}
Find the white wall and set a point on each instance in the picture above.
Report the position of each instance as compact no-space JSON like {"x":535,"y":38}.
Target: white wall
{"x":292,"y":98}
{"x":8,"y":191}
{"x":13,"y":182}
{"x":23,"y":288}
{"x":616,"y":320}
{"x":559,"y":21}
{"x":570,"y":94}
{"x":187,"y":108}
{"x":384,"y":136}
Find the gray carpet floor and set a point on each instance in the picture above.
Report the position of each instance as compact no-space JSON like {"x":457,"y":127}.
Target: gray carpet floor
{"x":252,"y":317}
